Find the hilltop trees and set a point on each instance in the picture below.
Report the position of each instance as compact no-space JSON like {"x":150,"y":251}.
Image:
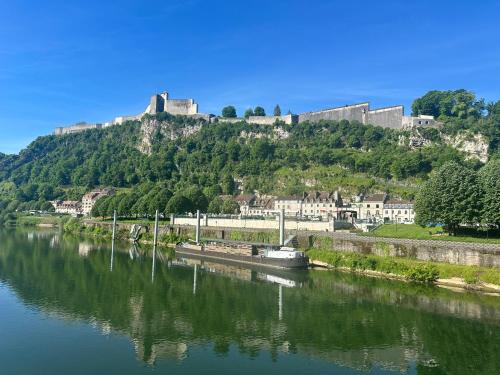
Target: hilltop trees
{"x":229,"y":112}
{"x":259,"y":111}
{"x":277,"y":110}
{"x":458,"y":103}
{"x":248,"y":113}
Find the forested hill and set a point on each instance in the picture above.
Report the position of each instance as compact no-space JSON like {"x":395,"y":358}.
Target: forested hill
{"x":179,"y":152}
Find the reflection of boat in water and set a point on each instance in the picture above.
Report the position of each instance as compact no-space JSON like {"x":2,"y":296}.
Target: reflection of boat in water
{"x":275,"y":257}
{"x":247,"y":272}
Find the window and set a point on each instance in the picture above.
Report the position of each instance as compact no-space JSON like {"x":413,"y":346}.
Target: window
{"x":406,"y":212}
{"x":399,"y":212}
{"x":386,"y":212}
{"x":376,"y":206}
{"x":367,"y":206}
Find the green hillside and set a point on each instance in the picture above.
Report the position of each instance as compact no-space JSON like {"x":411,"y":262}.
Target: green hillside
{"x":179,"y":153}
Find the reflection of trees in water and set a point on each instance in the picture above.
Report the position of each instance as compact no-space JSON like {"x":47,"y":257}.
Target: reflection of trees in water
{"x":355,"y":321}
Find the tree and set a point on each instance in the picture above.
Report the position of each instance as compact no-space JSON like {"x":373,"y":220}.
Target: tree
{"x":451,"y":196}
{"x":230,"y":207}
{"x":277,"y":110}
{"x":259,"y":111}
{"x":215,"y":206}
{"x":198,"y":200}
{"x":229,"y":112}
{"x":228,"y":185}
{"x":459,"y":103}
{"x":489,"y":177}
{"x":178,"y":204}
{"x":248,"y":113}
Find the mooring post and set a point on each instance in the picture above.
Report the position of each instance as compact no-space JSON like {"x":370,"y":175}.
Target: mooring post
{"x":194,"y":278}
{"x":280,"y":302}
{"x":198,"y":230}
{"x":155,"y":241}
{"x":113,"y":240}
{"x":155,"y":237}
{"x":282,"y":227}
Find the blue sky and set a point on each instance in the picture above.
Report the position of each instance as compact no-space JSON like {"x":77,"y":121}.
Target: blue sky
{"x":68,"y":61}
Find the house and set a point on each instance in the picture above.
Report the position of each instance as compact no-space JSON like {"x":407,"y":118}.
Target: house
{"x":89,"y":199}
{"x":372,"y":207}
{"x":73,"y":208}
{"x":322,"y":204}
{"x":245,"y":201}
{"x":255,"y":205}
{"x":292,"y":204}
{"x":399,"y":211}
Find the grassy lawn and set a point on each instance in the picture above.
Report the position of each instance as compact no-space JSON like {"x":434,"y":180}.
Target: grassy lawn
{"x":413,"y":231}
{"x":31,"y":220}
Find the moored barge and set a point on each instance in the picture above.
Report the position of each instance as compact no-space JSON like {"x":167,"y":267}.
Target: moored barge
{"x":276,"y":257}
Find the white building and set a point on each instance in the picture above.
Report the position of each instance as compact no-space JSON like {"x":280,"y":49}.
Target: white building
{"x":73,"y":208}
{"x":372,"y":207}
{"x":89,"y":199}
{"x":399,"y":211}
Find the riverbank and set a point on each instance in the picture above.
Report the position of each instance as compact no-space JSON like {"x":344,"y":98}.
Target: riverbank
{"x":451,"y":275}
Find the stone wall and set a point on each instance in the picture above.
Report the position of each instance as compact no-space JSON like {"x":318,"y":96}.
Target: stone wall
{"x":356,"y":112}
{"x":76,"y":128}
{"x":271,"y":120}
{"x":321,"y":226}
{"x":390,"y":117}
{"x":181,"y":107}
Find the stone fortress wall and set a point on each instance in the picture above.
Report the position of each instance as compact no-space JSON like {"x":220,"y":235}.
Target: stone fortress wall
{"x":389,"y":117}
{"x":355,"y":112}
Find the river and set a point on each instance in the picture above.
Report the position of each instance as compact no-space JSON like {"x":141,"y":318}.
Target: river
{"x":71,"y":305}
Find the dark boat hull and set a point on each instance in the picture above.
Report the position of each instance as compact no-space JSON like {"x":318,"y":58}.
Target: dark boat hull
{"x":296,"y":263}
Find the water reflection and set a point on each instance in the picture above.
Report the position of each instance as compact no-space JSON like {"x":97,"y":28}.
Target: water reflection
{"x":343,"y":319}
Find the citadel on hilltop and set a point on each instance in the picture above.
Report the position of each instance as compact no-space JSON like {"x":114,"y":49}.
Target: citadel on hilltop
{"x":389,"y":117}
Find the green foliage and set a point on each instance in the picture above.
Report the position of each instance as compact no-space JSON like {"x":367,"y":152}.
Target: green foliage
{"x":410,"y":269}
{"x":259,"y":111}
{"x":489,"y":177}
{"x":248,"y":113}
{"x":178,"y":204}
{"x":452,"y":196}
{"x":230,"y":207}
{"x":277,"y":110}
{"x":229,"y":112}
{"x":459,"y":103}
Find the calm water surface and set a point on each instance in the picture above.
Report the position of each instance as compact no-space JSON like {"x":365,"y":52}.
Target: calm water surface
{"x":70,"y":306}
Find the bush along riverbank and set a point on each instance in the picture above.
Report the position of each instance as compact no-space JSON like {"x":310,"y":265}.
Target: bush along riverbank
{"x":469,"y":277}
{"x":76,"y":227}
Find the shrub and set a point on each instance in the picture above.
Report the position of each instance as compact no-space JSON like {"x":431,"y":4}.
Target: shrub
{"x":422,"y":273}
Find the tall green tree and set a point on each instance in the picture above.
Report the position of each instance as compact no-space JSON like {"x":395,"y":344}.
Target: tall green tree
{"x":249,"y":112}
{"x":489,"y":177}
{"x":178,"y":204}
{"x":229,"y":112}
{"x":451,"y":196}
{"x":259,"y":111}
{"x":277,"y":110}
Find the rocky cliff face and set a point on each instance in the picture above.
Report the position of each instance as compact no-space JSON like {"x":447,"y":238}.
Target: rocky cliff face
{"x":474,"y":145}
{"x":169,"y":130}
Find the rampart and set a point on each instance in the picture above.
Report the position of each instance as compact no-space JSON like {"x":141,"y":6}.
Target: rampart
{"x":390,"y":117}
{"x":77,"y":128}
{"x":355,"y":112}
{"x":271,"y":120}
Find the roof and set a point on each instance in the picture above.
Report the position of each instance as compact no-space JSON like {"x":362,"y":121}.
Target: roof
{"x":399,"y":201}
{"x":295,"y":197}
{"x":376,"y":198}
{"x":244,"y":198}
